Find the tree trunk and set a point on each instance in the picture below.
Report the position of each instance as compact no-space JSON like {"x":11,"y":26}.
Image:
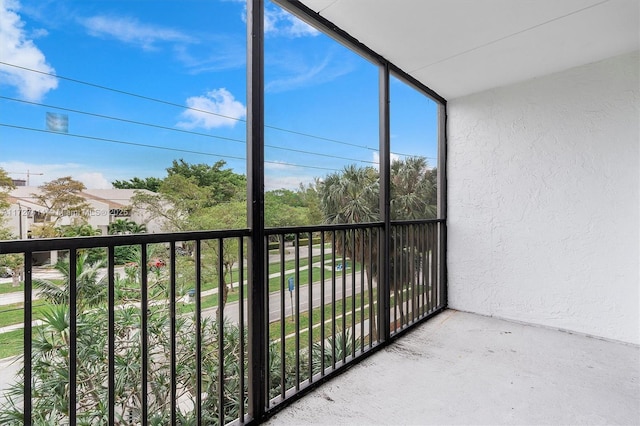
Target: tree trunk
{"x":15,"y":277}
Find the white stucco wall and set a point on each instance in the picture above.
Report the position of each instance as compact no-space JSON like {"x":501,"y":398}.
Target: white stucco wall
{"x":544,"y":200}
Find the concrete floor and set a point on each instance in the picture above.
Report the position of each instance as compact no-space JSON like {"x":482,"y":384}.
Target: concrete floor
{"x":461,"y":368}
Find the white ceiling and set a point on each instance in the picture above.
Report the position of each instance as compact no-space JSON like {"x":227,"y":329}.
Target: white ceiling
{"x":458,"y":47}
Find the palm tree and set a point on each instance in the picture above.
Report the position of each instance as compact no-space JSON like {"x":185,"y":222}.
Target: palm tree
{"x":413,"y":190}
{"x":91,"y":290}
{"x":352,"y":196}
{"x":126,"y":226}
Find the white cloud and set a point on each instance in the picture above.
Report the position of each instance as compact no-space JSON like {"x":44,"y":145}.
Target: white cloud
{"x":217,"y":108}
{"x":131,"y":31}
{"x":286,"y":182}
{"x":279,"y":175}
{"x":294,"y":27}
{"x":94,"y":180}
{"x":279,"y":22}
{"x":17,"y":49}
{"x":376,"y":159}
{"x":41,"y":173}
{"x":222,"y":52}
{"x":304,"y":75}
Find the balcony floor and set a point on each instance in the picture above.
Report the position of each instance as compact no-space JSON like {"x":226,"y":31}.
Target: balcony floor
{"x":461,"y":368}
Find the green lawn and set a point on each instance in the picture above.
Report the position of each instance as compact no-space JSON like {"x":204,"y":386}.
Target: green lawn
{"x":14,"y":313}
{"x":11,"y":343}
{"x":9,"y":288}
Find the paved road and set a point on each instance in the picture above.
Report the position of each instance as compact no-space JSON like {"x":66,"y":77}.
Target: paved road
{"x":301,"y":295}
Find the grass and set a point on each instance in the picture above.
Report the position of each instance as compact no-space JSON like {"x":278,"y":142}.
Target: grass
{"x":9,"y":288}
{"x":11,"y":343}
{"x":14,"y":313}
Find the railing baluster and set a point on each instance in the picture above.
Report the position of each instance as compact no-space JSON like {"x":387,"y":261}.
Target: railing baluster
{"x":362,"y":288}
{"x":111,"y":334}
{"x":283,"y":318}
{"x":412,"y":272}
{"x":221,"y":306}
{"x":344,"y":295}
{"x":73,"y":336}
{"x":266,"y":319}
{"x":172,"y":330}
{"x":333,"y":300}
{"x":404,"y":275}
{"x":423,"y":280}
{"x":354,"y":258}
{"x":373,"y":315}
{"x":198,"y":331}
{"x":310,"y":305}
{"x":144,"y":304}
{"x":241,"y":322}
{"x":434,"y":269}
{"x":394,"y":275}
{"x":322,"y":304}
{"x":27,"y":336}
{"x":296,"y":293}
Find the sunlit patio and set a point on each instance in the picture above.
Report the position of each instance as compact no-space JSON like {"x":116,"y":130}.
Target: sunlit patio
{"x":463,"y":368}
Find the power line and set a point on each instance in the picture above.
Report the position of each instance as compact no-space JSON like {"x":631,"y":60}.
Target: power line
{"x":125,"y":120}
{"x":157,"y":126}
{"x":159,"y":147}
{"x":148,"y":98}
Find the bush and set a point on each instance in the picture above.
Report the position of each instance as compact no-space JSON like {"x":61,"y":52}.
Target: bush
{"x":305,"y":241}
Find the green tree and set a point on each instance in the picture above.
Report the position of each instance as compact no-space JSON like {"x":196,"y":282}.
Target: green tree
{"x":189,"y":188}
{"x":231,"y":215}
{"x":50,"y":359}
{"x":126,"y":227}
{"x":221,"y":184}
{"x":6,"y":185}
{"x":413,"y":189}
{"x":352,"y":196}
{"x":283,"y":207}
{"x":61,"y":197}
{"x":13,"y":262}
{"x":91,"y":290}
{"x":149,"y":183}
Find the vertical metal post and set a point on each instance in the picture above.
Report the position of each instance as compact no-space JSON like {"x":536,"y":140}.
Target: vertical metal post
{"x":354,"y":259}
{"x":28,"y":314}
{"x":241,"y":322}
{"x":322,"y":289}
{"x":144,"y":325}
{"x":221,"y":336}
{"x":442,"y":201}
{"x":255,"y":209}
{"x":172,"y":331}
{"x":310,"y":303}
{"x":198,"y":330}
{"x":283,"y":320}
{"x":111,"y":335}
{"x":73,"y":336}
{"x":296,"y":293}
{"x":344,"y":295}
{"x":385,"y":202}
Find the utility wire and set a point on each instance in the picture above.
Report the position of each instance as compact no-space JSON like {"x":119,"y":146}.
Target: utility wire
{"x":157,"y":126}
{"x":148,"y":98}
{"x":159,"y":147}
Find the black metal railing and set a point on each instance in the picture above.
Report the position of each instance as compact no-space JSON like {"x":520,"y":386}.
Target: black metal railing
{"x":153,"y":328}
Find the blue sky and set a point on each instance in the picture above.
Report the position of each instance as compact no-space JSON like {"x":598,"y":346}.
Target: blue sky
{"x":145,"y":82}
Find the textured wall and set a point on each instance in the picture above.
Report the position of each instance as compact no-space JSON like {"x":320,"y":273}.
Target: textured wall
{"x":544,"y":200}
